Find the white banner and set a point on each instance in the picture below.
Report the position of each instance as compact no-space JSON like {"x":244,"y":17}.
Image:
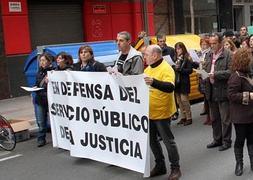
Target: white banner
{"x":100,"y":116}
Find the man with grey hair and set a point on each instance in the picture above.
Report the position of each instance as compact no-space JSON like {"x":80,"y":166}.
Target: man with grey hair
{"x":130,"y":60}
{"x":160,"y":77}
{"x":217,"y":64}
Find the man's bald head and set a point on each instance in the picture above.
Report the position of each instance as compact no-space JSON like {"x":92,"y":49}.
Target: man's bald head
{"x":152,"y":54}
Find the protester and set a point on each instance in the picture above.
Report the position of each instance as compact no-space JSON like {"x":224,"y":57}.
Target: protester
{"x":228,"y":35}
{"x":142,"y":35}
{"x":217,"y":65}
{"x":160,"y":76}
{"x":229,"y":44}
{"x":243,"y":33}
{"x":240,"y":93}
{"x":205,"y":48}
{"x":130,"y":61}
{"x":251,"y":42}
{"x":166,"y":50}
{"x":245,"y":42}
{"x":183,"y":69}
{"x":86,"y":61}
{"x":41,"y":103}
{"x":64,"y":61}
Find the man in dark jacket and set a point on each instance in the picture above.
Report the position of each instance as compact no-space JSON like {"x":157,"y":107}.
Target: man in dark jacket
{"x":166,"y":50}
{"x":217,"y":65}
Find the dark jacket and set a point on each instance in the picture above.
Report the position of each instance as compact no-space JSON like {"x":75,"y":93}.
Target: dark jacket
{"x":167,"y":50}
{"x":241,"y":106}
{"x":68,"y":67}
{"x":183,"y":85}
{"x":92,"y":66}
{"x":218,"y":90}
{"x":41,"y":96}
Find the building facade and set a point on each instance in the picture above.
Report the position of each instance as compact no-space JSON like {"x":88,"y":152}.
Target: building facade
{"x":242,"y":13}
{"x":174,"y":17}
{"x":26,"y":24}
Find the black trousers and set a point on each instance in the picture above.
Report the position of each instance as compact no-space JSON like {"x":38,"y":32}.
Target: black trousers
{"x":243,"y":132}
{"x":222,"y":128}
{"x":163,"y":127}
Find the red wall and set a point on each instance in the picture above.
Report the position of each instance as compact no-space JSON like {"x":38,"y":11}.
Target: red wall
{"x":103,"y":20}
{"x":15,"y":27}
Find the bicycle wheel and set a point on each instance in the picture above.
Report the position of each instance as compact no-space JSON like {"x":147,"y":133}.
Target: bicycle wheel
{"x":7,"y":136}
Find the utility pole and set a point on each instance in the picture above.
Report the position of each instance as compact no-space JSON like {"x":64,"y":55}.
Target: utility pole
{"x":145,"y":15}
{"x":192,"y":17}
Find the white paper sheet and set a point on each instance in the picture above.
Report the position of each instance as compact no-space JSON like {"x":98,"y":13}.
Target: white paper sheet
{"x":31,"y":89}
{"x":194,"y":55}
{"x":169,"y":60}
{"x":202,"y":72}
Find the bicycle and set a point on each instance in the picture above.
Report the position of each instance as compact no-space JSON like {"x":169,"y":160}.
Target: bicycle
{"x":7,"y":135}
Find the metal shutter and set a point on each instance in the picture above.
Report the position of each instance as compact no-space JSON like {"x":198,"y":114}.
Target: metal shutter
{"x":55,"y":22}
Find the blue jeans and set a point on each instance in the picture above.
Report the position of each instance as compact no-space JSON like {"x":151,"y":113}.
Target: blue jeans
{"x":41,"y":113}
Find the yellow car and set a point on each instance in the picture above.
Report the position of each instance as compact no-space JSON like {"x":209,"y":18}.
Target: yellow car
{"x":192,"y":43}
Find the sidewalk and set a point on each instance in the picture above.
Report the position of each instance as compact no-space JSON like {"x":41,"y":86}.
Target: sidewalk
{"x":19,"y":108}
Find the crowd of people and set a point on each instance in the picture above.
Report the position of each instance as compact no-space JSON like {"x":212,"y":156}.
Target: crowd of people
{"x":228,"y":90}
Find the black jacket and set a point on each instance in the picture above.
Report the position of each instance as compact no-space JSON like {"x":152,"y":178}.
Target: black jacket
{"x":41,"y":96}
{"x":240,"y":103}
{"x":182,"y":84}
{"x":167,"y":50}
{"x":218,"y":90}
{"x":92,"y":66}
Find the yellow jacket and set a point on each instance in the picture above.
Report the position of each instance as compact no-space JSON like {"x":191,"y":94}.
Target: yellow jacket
{"x":161,"y":104}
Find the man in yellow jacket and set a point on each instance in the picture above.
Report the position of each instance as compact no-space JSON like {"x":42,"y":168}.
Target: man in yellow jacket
{"x":160,"y":77}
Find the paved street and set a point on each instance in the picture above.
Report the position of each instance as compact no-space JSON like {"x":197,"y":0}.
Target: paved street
{"x":27,"y":162}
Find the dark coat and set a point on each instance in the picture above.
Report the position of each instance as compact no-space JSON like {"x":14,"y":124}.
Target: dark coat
{"x":240,"y":113}
{"x":41,"y":95}
{"x":218,"y":90}
{"x":92,"y":66}
{"x":183,"y":86}
{"x":167,"y":50}
{"x":68,"y":67}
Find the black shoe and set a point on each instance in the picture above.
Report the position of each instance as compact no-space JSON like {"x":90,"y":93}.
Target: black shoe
{"x":224,"y":147}
{"x":182,"y":121}
{"x":41,"y":143}
{"x":213,"y":145}
{"x":203,"y":113}
{"x":239,"y":169}
{"x":188,"y":122}
{"x":175,"y":174}
{"x":157,"y":171}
